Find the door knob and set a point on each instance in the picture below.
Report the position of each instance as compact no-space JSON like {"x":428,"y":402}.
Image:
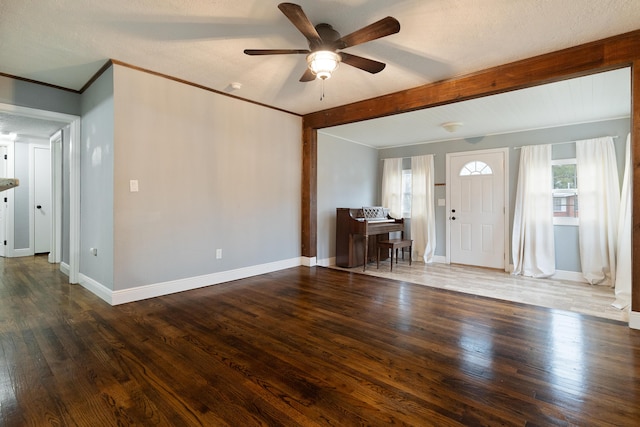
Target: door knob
{"x":39,"y":207}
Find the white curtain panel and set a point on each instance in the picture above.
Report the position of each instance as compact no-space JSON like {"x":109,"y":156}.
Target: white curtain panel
{"x":533,"y":249}
{"x":392,"y":186}
{"x":423,"y":218}
{"x":599,"y":201}
{"x":623,"y":253}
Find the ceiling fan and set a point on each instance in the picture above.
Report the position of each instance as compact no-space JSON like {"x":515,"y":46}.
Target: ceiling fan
{"x":325,"y":42}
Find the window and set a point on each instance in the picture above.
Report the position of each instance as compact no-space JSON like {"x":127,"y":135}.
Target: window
{"x":565,"y":192}
{"x":476,"y":167}
{"x":406,"y":193}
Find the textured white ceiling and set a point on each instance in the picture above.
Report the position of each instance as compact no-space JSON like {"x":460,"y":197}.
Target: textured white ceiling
{"x":64,"y":42}
{"x":592,"y":98}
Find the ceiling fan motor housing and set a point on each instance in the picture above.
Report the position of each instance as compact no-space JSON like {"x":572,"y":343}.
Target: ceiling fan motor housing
{"x":328,"y":35}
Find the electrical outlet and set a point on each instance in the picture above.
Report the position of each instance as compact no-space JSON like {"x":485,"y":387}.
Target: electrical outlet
{"x":133,"y":186}
{"x":218,"y":253}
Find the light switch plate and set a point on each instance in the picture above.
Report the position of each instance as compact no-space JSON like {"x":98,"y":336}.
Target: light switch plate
{"x":441,"y":202}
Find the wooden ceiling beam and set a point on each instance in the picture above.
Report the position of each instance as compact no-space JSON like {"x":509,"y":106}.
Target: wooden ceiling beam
{"x":602,"y":55}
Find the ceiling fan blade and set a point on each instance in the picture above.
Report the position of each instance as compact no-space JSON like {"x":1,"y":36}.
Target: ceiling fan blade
{"x":275,"y":51}
{"x":298,"y":18}
{"x":365,"y":64}
{"x":382,"y":28}
{"x":308,"y":76}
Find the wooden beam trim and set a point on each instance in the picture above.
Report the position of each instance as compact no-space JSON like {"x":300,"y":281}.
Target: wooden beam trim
{"x":635,"y":186}
{"x":603,"y":55}
{"x":309,"y":192}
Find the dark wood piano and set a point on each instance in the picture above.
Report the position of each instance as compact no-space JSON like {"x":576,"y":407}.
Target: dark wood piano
{"x":357,"y":236}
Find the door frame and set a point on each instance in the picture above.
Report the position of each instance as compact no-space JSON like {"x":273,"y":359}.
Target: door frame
{"x":507,"y":211}
{"x":73,"y":269}
{"x":55,"y":150}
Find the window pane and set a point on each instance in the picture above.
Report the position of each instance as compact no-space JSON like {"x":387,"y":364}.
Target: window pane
{"x":565,"y":206}
{"x":406,"y":193}
{"x":564,"y":177}
{"x":475,"y":168}
{"x":565,"y":190}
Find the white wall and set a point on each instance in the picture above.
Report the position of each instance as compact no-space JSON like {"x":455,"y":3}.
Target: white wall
{"x":213,"y":172}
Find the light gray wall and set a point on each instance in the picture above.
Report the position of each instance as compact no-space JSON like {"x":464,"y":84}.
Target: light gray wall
{"x":347,"y":178}
{"x":214,"y":173}
{"x":32,"y":95}
{"x":567,"y":257}
{"x":96,"y":181}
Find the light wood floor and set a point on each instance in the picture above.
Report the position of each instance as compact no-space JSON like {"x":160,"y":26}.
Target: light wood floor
{"x":562,"y":294}
{"x":304,"y":347}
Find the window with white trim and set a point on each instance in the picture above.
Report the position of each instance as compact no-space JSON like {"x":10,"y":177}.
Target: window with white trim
{"x":565,"y":192}
{"x":406,"y":193}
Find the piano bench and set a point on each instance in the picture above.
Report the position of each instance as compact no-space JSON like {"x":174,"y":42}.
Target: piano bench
{"x":394,"y":244}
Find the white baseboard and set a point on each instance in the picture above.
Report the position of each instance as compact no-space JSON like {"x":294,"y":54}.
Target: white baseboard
{"x":96,"y":288}
{"x":186,"y":284}
{"x":440,"y":259}
{"x":326,"y":262}
{"x":65,"y":268}
{"x":16,"y":253}
{"x":308,"y":261}
{"x":634,"y":319}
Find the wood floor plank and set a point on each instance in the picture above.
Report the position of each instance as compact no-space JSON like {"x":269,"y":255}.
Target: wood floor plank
{"x":305,"y":346}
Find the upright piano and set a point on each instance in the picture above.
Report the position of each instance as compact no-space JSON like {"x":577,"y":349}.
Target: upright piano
{"x":357,"y":235}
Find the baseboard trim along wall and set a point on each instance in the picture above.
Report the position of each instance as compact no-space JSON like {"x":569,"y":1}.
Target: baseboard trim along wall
{"x":308,"y":261}
{"x":180,"y":285}
{"x":65,"y":268}
{"x":634,"y":319}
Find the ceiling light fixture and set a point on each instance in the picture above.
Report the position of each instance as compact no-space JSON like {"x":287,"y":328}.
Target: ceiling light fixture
{"x":451,"y":126}
{"x":322,"y":63}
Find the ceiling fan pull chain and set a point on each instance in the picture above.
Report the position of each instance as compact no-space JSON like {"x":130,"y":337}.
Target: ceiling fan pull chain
{"x":322,"y":94}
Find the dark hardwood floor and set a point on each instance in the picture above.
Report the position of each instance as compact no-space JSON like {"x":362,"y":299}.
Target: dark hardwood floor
{"x":304,"y":346}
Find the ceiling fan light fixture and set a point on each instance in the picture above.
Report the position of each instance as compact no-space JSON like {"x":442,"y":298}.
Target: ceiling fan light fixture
{"x":322,"y":63}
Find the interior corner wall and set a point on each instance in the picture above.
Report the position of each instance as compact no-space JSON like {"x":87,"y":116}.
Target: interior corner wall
{"x":347,"y":178}
{"x":96,"y":178}
{"x":213,"y":173}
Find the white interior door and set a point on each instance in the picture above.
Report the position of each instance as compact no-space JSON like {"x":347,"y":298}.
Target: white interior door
{"x":42,"y":200}
{"x":476,"y":209}
{"x":3,"y":198}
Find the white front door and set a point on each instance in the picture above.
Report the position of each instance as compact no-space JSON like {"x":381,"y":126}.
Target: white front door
{"x":42,"y":200}
{"x":476,"y":208}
